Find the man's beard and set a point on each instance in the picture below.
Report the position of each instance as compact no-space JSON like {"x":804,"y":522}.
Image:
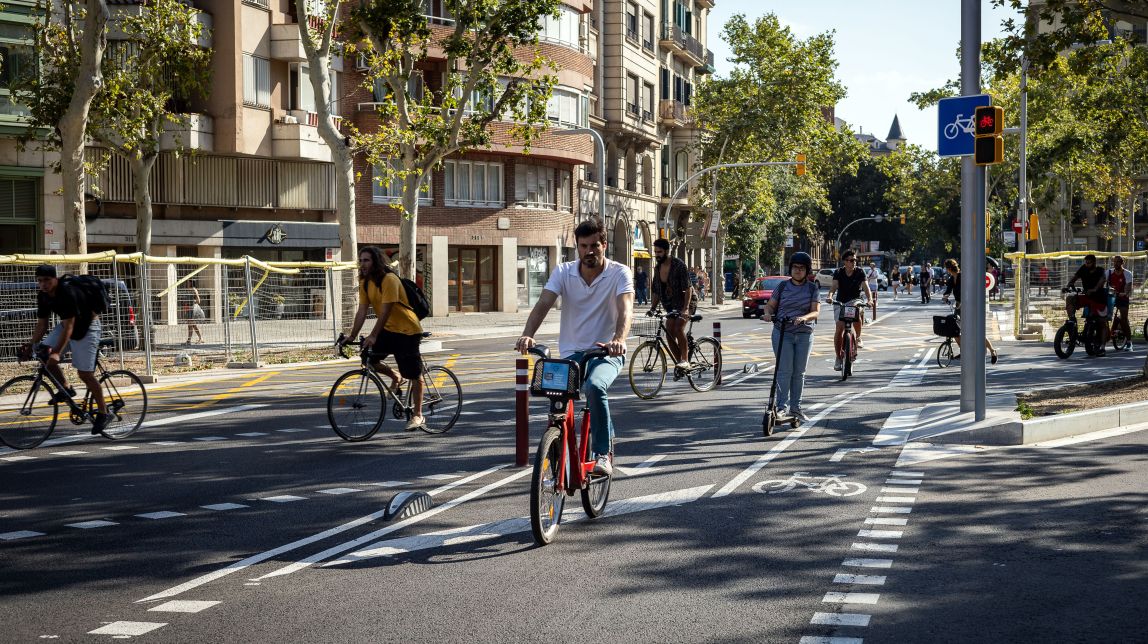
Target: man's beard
{"x":661,"y":260}
{"x":591,"y":261}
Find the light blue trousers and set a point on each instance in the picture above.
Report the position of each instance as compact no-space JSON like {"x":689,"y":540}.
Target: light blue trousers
{"x":792,"y":354}
{"x":600,"y":374}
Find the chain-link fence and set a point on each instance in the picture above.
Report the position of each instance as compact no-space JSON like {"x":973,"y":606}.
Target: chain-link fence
{"x":1039,"y":305}
{"x":202,"y":311}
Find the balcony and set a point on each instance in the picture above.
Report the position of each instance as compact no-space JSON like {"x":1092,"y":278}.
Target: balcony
{"x":682,"y":43}
{"x":295,"y":140}
{"x":193,"y":132}
{"x":708,"y":67}
{"x":633,"y":110}
{"x":287,"y":43}
{"x":119,"y":12}
{"x":707,"y":4}
{"x":675,"y":113}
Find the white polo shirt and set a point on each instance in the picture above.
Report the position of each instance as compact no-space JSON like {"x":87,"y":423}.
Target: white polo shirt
{"x":589,"y":311}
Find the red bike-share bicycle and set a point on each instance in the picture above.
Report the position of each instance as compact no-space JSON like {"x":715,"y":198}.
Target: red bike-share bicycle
{"x":557,"y":474}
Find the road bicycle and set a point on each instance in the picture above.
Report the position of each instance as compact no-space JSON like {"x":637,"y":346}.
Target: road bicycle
{"x":1116,"y":331}
{"x":1068,"y":337}
{"x":848,"y":314}
{"x":831,"y":485}
{"x":30,"y":404}
{"x":648,"y":363}
{"x":357,"y":403}
{"x":563,"y":463}
{"x":959,"y":125}
{"x":949,"y":328}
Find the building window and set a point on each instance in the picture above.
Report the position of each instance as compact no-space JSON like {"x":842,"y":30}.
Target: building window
{"x":632,"y":22}
{"x":302,"y":94}
{"x":567,"y":108}
{"x":534,"y":186}
{"x":648,"y":32}
{"x":632,"y":99}
{"x":648,"y":104}
{"x":473,"y":183}
{"x":256,"y":81}
{"x":665,"y":83}
{"x":565,"y":190}
{"x":391,"y":192}
{"x":563,"y":30}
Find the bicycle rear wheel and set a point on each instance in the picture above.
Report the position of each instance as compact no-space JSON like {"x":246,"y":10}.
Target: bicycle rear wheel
{"x":356,"y":405}
{"x":705,"y":364}
{"x":847,"y":362}
{"x":27,"y":413}
{"x":442,"y":400}
{"x":126,"y":398}
{"x":945,"y":353}
{"x":546,"y":498}
{"x":1091,"y":336}
{"x":647,"y":370}
{"x":1118,"y":337}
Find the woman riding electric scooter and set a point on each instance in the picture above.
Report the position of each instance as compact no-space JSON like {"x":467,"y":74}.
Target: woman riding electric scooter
{"x":795,"y":303}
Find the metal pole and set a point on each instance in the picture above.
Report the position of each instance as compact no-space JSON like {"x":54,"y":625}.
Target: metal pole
{"x":226,"y":314}
{"x":331,"y":303}
{"x":145,"y":304}
{"x":521,"y":412}
{"x":601,"y":145}
{"x":840,"y":234}
{"x":119,"y":311}
{"x":1022,"y":200}
{"x":714,"y":270}
{"x":972,"y":230}
{"x":251,"y":310}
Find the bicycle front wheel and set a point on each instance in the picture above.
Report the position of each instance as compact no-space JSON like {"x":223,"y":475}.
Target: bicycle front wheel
{"x":126,"y":399}
{"x":442,"y":400}
{"x":847,"y":362}
{"x":27,"y":413}
{"x":1118,"y":337}
{"x":547,"y":498}
{"x":1064,"y":342}
{"x":705,"y":364}
{"x":647,"y":370}
{"x":356,"y":405}
{"x":945,"y":354}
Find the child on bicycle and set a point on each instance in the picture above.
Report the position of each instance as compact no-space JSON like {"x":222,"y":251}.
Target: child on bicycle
{"x":795,"y":302}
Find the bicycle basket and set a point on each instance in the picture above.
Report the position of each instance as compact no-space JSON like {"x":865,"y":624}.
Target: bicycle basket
{"x":848,"y":312}
{"x":946,"y":326}
{"x":645,"y":327}
{"x":554,"y":377}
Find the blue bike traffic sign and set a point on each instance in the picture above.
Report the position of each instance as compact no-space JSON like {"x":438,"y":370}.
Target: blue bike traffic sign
{"x":955,"y":124}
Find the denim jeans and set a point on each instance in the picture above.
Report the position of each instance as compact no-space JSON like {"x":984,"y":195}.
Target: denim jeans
{"x":600,"y":373}
{"x":641,"y":294}
{"x":792,"y":358}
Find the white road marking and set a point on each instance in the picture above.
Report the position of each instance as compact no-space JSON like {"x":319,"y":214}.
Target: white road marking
{"x":88,"y":525}
{"x":844,"y":451}
{"x":182,"y":418}
{"x":865,"y":580}
{"x":641,"y":468}
{"x":817,"y":639}
{"x":887,"y":315}
{"x":868,"y":563}
{"x":897,"y":427}
{"x":896,"y":499}
{"x":734,"y":383}
{"x":164,"y":514}
{"x":120,"y":448}
{"x":815,"y":406}
{"x":913,"y":475}
{"x":167,"y":443}
{"x":901,"y":490}
{"x":389,"y":484}
{"x":283,"y":498}
{"x":275,"y":552}
{"x":875,"y":547}
{"x":880,"y":534}
{"x":840,"y":619}
{"x":850,"y":598}
{"x":886,"y":521}
{"x":224,"y":506}
{"x":292,"y":431}
{"x":52,"y":442}
{"x":127,"y":629}
{"x":183,"y":606}
{"x":252,"y":434}
{"x":902,"y":481}
{"x":339,"y":490}
{"x":73,"y":452}
{"x":440,"y":477}
{"x":209,"y":438}
{"x":19,"y":534}
{"x":890,"y":510}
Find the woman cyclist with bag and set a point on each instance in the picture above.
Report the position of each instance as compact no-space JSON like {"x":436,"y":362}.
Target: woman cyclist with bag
{"x":795,"y":303}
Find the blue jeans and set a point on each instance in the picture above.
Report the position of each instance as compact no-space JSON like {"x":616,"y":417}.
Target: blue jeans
{"x":641,"y":294}
{"x":792,"y":358}
{"x":600,"y":373}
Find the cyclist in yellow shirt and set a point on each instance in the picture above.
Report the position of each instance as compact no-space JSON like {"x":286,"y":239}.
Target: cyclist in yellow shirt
{"x":397,"y":330}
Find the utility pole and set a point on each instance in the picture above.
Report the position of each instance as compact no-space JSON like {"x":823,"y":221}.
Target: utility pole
{"x":972,"y":230}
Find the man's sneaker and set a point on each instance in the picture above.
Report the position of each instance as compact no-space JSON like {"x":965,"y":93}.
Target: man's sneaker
{"x":62,"y":396}
{"x":415,"y":423}
{"x":1128,"y":346}
{"x":604,"y":465}
{"x":799,"y":416}
{"x":99,"y":422}
{"x":683,"y":365}
{"x":860,"y":344}
{"x":837,"y":366}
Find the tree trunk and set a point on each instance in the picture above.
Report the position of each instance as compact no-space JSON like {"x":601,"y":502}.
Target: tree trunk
{"x":73,"y":125}
{"x":141,"y":185}
{"x":408,"y":227}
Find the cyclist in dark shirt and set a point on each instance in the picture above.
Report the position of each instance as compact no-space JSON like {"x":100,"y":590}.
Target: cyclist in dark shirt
{"x":671,"y":289}
{"x":79,"y":328}
{"x":1094,"y":296}
{"x":848,"y":284}
{"x":953,"y":288}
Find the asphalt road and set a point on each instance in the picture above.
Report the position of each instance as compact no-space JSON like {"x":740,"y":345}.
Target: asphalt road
{"x":238,"y":516}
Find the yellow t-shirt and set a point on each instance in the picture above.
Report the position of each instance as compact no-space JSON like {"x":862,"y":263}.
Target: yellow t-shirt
{"x":402,"y":319}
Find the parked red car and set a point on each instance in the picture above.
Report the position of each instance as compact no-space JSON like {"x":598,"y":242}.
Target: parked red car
{"x":753,"y":303}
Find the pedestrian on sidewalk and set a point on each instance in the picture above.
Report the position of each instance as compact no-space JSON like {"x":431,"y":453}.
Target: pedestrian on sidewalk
{"x":196,"y":316}
{"x":642,"y":286}
{"x":703,"y":282}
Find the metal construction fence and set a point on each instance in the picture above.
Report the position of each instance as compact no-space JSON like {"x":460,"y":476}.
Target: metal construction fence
{"x":172,"y":313}
{"x":1040,"y":278}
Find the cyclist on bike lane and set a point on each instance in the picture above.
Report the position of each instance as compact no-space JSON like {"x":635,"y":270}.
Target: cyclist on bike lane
{"x":79,"y":327}
{"x":397,"y":330}
{"x":597,"y":307}
{"x":1119,"y":279}
{"x":848,"y":284}
{"x":1092,"y":281}
{"x":953,"y":288}
{"x":796,"y":299}
{"x":671,"y":289}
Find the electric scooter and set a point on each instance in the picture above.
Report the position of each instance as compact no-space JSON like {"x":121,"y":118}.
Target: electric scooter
{"x":771,"y":418}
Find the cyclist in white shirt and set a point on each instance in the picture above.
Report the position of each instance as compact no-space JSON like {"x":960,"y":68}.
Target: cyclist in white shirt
{"x":597,"y":308}
{"x":871,"y":275}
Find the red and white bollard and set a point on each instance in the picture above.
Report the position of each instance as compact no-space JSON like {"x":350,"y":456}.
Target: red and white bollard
{"x":717,"y":336}
{"x":521,"y":411}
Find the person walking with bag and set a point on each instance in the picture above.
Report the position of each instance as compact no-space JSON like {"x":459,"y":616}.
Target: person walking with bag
{"x":795,"y":302}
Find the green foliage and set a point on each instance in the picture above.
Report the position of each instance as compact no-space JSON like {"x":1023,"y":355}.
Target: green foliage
{"x":926,"y":189}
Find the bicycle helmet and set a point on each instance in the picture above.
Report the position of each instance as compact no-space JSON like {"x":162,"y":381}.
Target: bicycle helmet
{"x":802,"y":259}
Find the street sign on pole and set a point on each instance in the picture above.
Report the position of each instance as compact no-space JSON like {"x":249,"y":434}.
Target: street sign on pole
{"x":955,"y":124}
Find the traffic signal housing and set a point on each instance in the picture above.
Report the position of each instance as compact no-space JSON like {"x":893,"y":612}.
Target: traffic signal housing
{"x":988,"y":145}
{"x":799,"y":169}
{"x":1032,"y":231}
{"x":902,"y":219}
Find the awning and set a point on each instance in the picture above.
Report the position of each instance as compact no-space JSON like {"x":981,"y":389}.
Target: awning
{"x":641,"y":254}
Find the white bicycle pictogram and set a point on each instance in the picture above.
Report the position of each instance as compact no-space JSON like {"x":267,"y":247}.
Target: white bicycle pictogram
{"x":959,"y":124}
{"x":833,"y":485}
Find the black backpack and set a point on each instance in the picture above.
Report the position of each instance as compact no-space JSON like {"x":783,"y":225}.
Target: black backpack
{"x":418,"y":300}
{"x":88,"y":291}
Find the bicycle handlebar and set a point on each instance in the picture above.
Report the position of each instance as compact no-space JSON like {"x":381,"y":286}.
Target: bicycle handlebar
{"x":543,"y":352}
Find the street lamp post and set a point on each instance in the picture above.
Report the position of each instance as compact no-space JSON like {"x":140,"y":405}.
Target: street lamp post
{"x":601,"y":165}
{"x":876,"y":218}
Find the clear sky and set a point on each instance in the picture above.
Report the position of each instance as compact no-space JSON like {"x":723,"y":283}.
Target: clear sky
{"x":885,"y":50}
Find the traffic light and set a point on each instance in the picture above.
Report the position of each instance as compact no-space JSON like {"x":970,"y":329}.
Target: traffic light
{"x":799,"y":169}
{"x":988,"y":146}
{"x":1032,"y":231}
{"x":902,"y":219}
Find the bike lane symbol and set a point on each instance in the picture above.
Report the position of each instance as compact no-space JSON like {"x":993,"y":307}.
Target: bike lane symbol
{"x":832,"y":484}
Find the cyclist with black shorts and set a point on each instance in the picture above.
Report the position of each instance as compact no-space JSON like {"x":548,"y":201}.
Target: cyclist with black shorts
{"x":848,"y":284}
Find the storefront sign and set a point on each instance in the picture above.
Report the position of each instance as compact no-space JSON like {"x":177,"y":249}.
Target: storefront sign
{"x":276,"y":235}
{"x":639,"y":238}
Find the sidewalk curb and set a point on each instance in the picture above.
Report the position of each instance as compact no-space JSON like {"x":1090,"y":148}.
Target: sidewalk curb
{"x":1037,"y":430}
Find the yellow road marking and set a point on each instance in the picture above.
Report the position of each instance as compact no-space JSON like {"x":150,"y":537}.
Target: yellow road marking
{"x":234,"y":390}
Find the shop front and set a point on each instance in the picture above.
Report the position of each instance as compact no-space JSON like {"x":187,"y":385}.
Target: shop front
{"x":471,"y":279}
{"x":533,"y":271}
{"x":642,"y":247}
